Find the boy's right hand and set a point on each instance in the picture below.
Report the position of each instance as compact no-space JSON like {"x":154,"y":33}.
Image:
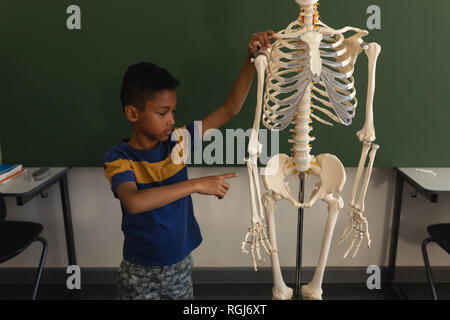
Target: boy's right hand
{"x":260,"y":40}
{"x":214,"y":185}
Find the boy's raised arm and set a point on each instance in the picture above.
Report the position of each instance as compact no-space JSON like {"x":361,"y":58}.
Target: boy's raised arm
{"x":235,"y":99}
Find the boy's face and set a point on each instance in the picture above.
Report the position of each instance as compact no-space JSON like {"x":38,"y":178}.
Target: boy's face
{"x":157,"y":120}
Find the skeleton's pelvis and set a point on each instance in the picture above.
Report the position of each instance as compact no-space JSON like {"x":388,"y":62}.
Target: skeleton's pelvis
{"x":326,"y":166}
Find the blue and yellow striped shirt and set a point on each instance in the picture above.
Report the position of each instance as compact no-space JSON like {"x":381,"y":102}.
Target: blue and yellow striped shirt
{"x":162,"y":236}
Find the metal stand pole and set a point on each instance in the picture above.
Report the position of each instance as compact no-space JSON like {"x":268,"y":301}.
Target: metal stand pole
{"x":301,"y":199}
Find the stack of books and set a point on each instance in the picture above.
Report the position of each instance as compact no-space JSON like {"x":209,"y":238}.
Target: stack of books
{"x":10,"y":171}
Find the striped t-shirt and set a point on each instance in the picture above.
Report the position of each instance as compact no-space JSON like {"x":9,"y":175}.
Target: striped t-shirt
{"x":165,"y":235}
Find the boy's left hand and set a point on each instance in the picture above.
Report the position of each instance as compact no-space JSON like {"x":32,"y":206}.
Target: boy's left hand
{"x":260,"y":40}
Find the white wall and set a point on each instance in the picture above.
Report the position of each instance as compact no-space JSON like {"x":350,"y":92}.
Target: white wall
{"x":96,"y":220}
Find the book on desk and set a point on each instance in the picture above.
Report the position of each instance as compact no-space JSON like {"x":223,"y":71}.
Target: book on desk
{"x":10,"y":171}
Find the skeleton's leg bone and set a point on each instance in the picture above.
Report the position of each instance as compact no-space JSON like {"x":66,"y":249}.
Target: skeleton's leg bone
{"x":313,"y":290}
{"x":362,"y":161}
{"x":280,"y":290}
{"x":362,"y":195}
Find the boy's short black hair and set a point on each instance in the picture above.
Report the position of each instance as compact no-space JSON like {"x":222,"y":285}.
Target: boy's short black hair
{"x":141,"y":81}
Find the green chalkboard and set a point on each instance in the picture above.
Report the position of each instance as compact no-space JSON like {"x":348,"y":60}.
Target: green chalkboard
{"x":60,"y":88}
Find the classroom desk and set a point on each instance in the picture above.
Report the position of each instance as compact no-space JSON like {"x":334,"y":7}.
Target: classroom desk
{"x":427,"y":185}
{"x":23,"y":188}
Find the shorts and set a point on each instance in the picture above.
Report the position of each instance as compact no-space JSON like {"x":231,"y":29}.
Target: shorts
{"x":173,"y":282}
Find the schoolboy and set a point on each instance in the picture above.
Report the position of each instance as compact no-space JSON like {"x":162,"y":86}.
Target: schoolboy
{"x":158,"y":222}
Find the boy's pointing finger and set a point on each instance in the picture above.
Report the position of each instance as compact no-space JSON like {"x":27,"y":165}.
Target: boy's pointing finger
{"x":229,"y":175}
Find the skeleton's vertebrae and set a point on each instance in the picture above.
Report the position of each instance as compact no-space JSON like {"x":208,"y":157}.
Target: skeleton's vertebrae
{"x":302,"y":149}
{"x":309,"y":16}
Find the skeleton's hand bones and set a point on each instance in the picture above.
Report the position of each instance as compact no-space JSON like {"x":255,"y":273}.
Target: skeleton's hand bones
{"x":258,"y":235}
{"x":359,"y":225}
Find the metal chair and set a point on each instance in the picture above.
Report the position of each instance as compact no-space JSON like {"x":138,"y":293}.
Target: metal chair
{"x":16,"y":236}
{"x":440,"y":234}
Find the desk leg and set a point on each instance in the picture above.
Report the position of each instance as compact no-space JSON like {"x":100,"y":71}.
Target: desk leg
{"x":64,"y":188}
{"x":395,"y":231}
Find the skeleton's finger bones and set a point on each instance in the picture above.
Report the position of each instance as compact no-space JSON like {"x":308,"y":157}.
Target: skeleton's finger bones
{"x":357,"y":225}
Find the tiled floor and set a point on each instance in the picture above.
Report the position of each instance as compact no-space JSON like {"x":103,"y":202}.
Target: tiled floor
{"x":413,"y":291}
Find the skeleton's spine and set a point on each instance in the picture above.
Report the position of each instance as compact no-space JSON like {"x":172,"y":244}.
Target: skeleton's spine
{"x":309,"y":16}
{"x":300,"y":138}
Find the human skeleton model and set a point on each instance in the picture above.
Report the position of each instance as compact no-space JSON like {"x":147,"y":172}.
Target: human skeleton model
{"x":309,"y":68}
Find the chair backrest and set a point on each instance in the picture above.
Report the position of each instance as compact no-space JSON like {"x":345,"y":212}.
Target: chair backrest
{"x":2,"y":209}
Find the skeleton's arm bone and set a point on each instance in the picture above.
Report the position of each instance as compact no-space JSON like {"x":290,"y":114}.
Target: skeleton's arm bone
{"x":362,"y":162}
{"x":254,"y":200}
{"x":257,"y":231}
{"x":367,"y":133}
{"x":362,"y":195}
{"x":254,"y":147}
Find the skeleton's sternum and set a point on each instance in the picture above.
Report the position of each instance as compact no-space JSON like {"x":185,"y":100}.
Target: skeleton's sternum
{"x":301,"y":131}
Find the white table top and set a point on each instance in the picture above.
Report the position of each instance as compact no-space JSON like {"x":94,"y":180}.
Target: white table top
{"x":23,"y":183}
{"x":439,"y":183}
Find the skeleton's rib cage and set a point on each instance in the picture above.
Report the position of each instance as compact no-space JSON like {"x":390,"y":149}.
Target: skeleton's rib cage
{"x":289,"y":74}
